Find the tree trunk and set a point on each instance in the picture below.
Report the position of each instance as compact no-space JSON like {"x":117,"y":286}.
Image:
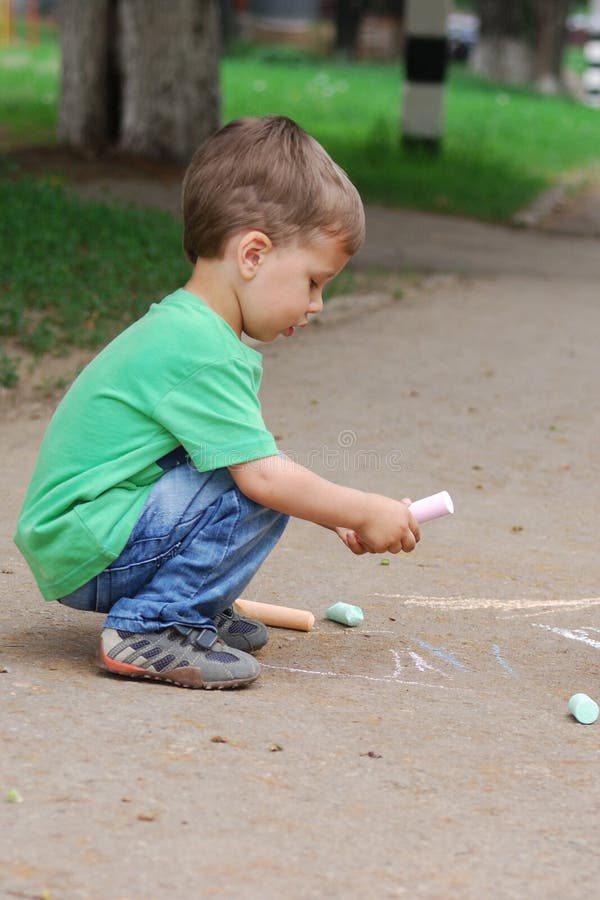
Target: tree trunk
{"x":551,"y":16}
{"x":169,"y":56}
{"x":504,"y":51}
{"x":84,"y":37}
{"x":140,"y":74}
{"x":348,"y":16}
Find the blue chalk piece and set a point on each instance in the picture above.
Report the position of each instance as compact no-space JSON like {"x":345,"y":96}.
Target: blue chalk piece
{"x":583,"y":708}
{"x":345,"y":614}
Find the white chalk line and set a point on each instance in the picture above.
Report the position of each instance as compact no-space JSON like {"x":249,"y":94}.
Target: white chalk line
{"x":385,"y":679}
{"x":458,"y":602}
{"x":575,"y":634}
{"x":583,"y":604}
{"x":422,"y":665}
{"x":397,"y":664}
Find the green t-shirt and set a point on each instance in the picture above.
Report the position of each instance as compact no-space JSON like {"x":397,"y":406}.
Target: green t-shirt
{"x":178,"y":376}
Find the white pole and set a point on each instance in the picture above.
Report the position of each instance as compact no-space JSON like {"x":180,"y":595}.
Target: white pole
{"x":425,"y":59}
{"x":590,"y":79}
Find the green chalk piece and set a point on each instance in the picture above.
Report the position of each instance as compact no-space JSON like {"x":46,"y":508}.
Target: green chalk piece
{"x":345,"y":613}
{"x":583,"y":708}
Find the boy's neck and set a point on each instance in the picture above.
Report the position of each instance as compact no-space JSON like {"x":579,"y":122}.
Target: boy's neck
{"x":210,"y":282}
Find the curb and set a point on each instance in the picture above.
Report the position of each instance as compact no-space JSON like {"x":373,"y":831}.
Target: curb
{"x":549,"y":201}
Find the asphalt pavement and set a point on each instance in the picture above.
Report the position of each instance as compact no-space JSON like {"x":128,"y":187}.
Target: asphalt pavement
{"x":427,"y":753}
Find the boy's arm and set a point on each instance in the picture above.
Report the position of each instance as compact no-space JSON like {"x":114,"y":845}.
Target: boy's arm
{"x":380,"y":523}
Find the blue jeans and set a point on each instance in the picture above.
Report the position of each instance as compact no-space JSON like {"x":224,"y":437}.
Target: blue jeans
{"x":196,"y":545}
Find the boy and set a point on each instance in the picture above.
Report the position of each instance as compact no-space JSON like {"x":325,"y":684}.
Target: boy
{"x":158,"y":490}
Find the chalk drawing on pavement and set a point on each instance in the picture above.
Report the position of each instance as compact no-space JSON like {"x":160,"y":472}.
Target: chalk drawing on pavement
{"x":501,"y":661}
{"x":396,"y":677}
{"x":457,"y":602}
{"x":574,"y":634}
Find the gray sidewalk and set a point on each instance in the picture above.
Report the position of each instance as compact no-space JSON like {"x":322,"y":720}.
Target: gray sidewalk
{"x":427,"y":753}
{"x":567,"y":249}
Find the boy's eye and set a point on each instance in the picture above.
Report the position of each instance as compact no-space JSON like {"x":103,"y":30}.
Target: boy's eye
{"x":313,"y":284}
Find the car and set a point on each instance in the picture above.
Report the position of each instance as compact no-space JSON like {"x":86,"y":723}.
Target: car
{"x":463,"y":34}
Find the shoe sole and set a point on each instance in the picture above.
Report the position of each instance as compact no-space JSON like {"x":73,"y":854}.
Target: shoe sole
{"x":186,"y":676}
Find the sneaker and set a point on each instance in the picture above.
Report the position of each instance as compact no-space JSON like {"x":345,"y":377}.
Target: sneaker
{"x":240,"y":632}
{"x":190,"y":657}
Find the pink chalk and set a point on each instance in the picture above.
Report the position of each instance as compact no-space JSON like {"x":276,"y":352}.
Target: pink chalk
{"x":432,"y":507}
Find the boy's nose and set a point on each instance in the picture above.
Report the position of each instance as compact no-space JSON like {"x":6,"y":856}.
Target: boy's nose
{"x":316,"y":304}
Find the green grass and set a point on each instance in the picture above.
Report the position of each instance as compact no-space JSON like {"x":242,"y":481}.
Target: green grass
{"x":501,"y":145}
{"x":29,"y":83}
{"x":74,"y":272}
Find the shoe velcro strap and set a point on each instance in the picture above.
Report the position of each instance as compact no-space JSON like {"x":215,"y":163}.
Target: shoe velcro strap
{"x":201,"y":637}
{"x":206,"y":638}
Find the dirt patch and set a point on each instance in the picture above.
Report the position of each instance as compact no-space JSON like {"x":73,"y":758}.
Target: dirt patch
{"x":42,"y":383}
{"x":107,"y":177}
{"x":85,"y":166}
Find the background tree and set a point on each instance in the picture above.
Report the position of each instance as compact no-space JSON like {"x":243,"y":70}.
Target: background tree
{"x":87,"y":36}
{"x":551,"y":36}
{"x":521,"y":41}
{"x":139,"y":74}
{"x":348,"y":16}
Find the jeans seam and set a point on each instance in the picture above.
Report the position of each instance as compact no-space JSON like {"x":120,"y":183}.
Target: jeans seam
{"x":231,"y":531}
{"x":160,"y":557}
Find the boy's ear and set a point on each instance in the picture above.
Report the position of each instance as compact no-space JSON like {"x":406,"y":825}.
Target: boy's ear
{"x":252,"y":248}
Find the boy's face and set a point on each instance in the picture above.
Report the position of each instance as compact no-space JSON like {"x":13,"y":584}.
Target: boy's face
{"x":287,"y":284}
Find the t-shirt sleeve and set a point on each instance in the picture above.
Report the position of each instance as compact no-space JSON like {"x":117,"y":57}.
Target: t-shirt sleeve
{"x":215,"y":414}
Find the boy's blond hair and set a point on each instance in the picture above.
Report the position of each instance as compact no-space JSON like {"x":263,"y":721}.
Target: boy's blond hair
{"x":266,"y":174}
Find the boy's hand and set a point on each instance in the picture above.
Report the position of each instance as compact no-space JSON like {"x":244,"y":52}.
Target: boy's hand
{"x":406,"y":539}
{"x":367,"y":523}
{"x":351,"y":540}
{"x":388,"y":527}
